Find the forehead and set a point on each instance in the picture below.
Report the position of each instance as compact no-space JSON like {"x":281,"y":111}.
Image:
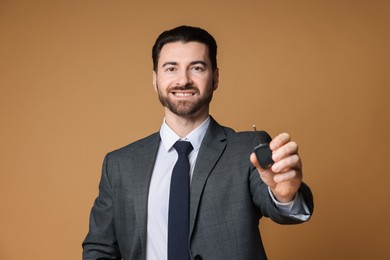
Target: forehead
{"x":184,"y":52}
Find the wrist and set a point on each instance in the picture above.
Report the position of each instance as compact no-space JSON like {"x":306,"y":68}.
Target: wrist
{"x":283,"y":198}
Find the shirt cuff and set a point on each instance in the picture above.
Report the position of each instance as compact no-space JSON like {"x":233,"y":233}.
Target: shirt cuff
{"x":297,"y":208}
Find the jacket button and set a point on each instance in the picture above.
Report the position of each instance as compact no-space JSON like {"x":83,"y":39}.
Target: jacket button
{"x":198,"y":257}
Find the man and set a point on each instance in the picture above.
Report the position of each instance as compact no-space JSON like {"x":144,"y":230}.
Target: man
{"x":229,"y":191}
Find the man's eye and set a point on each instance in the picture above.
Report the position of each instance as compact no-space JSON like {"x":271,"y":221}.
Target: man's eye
{"x":198,"y":68}
{"x":170,"y":69}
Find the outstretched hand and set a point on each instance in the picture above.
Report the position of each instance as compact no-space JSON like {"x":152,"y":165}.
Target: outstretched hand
{"x":285,"y":176}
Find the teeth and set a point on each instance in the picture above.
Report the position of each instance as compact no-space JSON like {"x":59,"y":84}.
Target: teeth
{"x":183,"y":94}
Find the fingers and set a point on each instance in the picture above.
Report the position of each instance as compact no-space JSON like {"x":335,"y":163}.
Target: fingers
{"x":290,"y":162}
{"x":287,"y":149}
{"x":287,"y":163}
{"x":285,"y":175}
{"x":289,"y":175}
{"x":279,"y":141}
{"x":284,"y":153}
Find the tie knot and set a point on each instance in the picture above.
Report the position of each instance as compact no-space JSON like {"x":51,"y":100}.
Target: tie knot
{"x":183,"y":147}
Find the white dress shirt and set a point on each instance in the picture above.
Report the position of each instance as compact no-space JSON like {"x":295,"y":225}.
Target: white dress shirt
{"x":157,"y":223}
{"x":158,"y":200}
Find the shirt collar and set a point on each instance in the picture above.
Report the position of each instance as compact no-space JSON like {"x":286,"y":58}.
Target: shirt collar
{"x":169,"y":137}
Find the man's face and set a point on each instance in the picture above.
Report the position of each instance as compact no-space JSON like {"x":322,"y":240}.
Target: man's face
{"x":184,"y":79}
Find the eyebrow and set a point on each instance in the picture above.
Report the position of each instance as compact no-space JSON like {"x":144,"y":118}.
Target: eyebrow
{"x":169,"y":63}
{"x":191,"y":63}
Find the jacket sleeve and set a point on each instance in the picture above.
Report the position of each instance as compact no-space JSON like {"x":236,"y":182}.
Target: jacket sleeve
{"x":262,"y":199}
{"x":101,"y":242}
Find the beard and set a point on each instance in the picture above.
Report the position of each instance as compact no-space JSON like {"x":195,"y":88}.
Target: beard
{"x":186,"y":108}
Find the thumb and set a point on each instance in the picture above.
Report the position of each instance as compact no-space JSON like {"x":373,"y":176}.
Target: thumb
{"x":265,"y":174}
{"x":255,"y":162}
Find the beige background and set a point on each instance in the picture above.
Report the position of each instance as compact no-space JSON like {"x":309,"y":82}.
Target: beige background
{"x":76,"y":82}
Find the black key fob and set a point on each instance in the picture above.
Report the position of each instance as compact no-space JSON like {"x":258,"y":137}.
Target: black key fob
{"x":262,"y":151}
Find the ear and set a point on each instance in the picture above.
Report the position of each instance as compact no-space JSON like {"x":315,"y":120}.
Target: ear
{"x":216,"y":78}
{"x":155,"y":80}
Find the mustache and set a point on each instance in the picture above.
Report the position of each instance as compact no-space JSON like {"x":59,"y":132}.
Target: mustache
{"x":184,"y":87}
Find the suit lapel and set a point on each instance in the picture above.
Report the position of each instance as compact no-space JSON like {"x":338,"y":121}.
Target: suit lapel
{"x":146,"y":162}
{"x":210,"y":151}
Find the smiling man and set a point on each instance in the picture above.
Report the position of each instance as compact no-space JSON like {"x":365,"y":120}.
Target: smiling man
{"x":194,"y":189}
{"x":185,"y":82}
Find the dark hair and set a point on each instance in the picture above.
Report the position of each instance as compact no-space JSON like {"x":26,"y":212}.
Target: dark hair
{"x":185,"y":34}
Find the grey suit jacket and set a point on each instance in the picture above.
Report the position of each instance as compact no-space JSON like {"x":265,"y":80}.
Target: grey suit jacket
{"x":227,"y":200}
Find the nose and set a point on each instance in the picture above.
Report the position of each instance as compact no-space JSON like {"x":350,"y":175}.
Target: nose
{"x":184,"y":79}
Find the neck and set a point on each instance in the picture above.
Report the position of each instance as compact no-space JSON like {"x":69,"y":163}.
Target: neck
{"x":184,"y":125}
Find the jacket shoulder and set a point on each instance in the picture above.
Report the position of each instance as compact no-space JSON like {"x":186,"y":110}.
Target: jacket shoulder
{"x":128,"y":150}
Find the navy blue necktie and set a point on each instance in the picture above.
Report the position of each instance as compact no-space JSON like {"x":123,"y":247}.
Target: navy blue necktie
{"x":179,"y":205}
